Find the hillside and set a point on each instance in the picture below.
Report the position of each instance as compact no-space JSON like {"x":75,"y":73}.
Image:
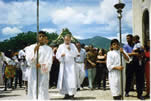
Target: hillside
{"x":98,"y":41}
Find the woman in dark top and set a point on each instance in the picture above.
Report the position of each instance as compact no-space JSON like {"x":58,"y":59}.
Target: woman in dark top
{"x":101,"y":69}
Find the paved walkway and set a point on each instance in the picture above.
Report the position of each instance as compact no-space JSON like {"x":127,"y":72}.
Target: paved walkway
{"x":84,"y":94}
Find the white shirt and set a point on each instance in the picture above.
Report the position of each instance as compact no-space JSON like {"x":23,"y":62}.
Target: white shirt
{"x":81,"y":58}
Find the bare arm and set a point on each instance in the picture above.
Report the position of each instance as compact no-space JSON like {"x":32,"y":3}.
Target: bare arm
{"x":125,"y":56}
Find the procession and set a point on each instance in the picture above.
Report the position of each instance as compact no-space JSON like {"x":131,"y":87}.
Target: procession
{"x":45,"y":65}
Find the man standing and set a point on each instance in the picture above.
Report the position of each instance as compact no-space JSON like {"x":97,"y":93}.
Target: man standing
{"x":132,"y":69}
{"x":91,"y":66}
{"x":66,"y":54}
{"x":44,"y":66}
{"x":80,"y":60}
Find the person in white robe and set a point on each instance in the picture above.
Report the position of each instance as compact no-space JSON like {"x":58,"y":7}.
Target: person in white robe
{"x":115,"y":68}
{"x":80,"y":70}
{"x":44,"y":66}
{"x":2,"y":59}
{"x":23,"y":64}
{"x":24,"y":68}
{"x":66,"y":54}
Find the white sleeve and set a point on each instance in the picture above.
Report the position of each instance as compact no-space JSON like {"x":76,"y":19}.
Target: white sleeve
{"x":110,"y":62}
{"x":29,"y":52}
{"x":59,"y":53}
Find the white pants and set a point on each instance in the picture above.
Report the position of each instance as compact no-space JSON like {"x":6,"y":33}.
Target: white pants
{"x":80,"y":74}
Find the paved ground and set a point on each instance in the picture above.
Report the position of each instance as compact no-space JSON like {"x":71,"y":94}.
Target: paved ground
{"x":84,"y":94}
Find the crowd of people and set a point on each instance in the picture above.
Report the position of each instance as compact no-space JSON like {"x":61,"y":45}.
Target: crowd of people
{"x":72,"y":66}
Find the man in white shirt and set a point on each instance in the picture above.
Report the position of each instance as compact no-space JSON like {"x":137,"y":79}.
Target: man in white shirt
{"x":80,"y":71}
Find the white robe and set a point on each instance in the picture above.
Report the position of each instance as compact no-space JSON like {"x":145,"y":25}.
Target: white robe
{"x":24,"y":69}
{"x":67,"y":75}
{"x":45,"y":57}
{"x":2,"y":59}
{"x":23,"y":65}
{"x":113,"y":60}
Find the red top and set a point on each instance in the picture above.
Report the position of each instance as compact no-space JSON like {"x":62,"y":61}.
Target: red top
{"x":147,"y":54}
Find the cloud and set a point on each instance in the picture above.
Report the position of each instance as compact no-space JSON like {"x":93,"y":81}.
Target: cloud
{"x":24,"y":13}
{"x":78,"y":37}
{"x":118,"y":35}
{"x":50,"y":30}
{"x":104,"y":13}
{"x":11,"y":31}
{"x":67,"y":15}
{"x":128,"y":18}
{"x":86,"y":19}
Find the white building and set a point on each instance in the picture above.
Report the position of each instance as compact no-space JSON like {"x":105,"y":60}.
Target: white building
{"x":141,"y":19}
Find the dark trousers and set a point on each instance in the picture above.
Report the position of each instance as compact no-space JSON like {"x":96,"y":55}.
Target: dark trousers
{"x":134,"y":69}
{"x":54,"y":74}
{"x":18,"y":77}
{"x":101,"y":73}
{"x":8,"y":83}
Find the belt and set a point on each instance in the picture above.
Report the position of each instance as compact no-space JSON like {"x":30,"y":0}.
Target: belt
{"x":80,"y":62}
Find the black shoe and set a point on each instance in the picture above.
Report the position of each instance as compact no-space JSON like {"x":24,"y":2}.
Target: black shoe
{"x":104,"y":89}
{"x":82,"y":85}
{"x":117,"y":97}
{"x":71,"y":97}
{"x":126,"y":95}
{"x":66,"y":96}
{"x":132,"y":89}
{"x":141,"y":97}
{"x":78,"y":89}
{"x":99,"y":87}
{"x":147,"y":96}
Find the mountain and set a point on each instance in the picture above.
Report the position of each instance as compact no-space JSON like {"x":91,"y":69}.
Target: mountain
{"x":97,"y":41}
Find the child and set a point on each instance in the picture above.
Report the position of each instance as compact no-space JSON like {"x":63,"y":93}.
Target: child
{"x":137,"y":46}
{"x":115,"y":68}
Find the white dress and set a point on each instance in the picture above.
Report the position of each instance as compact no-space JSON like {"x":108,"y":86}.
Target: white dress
{"x":45,"y":59}
{"x":113,"y":60}
{"x":67,"y":83}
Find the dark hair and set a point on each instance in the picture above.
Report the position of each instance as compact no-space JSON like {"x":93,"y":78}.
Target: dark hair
{"x":136,"y":37}
{"x":103,"y":51}
{"x":130,"y":35}
{"x":114,"y":41}
{"x":42,"y":32}
{"x":91,"y":46}
{"x":78,"y":43}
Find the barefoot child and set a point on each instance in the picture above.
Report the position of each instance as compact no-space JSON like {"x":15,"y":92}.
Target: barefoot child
{"x":115,"y":68}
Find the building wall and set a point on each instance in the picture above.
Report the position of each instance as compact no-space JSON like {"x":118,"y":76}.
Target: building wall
{"x":139,"y":7}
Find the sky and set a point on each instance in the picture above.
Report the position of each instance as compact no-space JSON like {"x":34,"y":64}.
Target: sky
{"x":84,"y":18}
